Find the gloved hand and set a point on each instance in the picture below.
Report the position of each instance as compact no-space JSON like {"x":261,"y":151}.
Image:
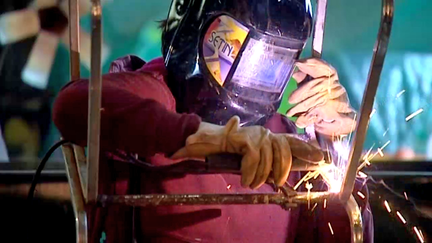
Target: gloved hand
{"x":322,"y":101}
{"x":262,"y":150}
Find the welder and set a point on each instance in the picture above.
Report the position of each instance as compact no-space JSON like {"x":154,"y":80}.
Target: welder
{"x":217,"y":89}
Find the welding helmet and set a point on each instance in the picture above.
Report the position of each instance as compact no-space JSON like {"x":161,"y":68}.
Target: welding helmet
{"x":233,"y":57}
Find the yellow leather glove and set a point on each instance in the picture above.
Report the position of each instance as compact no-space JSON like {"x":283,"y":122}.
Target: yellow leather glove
{"x":322,"y":101}
{"x":262,"y":150}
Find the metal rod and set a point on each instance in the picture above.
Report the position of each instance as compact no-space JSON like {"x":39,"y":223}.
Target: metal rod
{"x":355,"y":219}
{"x":317,"y":47}
{"x":74,"y":49}
{"x":214,"y":199}
{"x":319,"y":27}
{"x":380,"y":50}
{"x":74,"y":39}
{"x":95,"y":95}
{"x":76,"y":192}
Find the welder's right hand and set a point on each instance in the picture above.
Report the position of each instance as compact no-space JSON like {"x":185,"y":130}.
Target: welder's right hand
{"x":262,"y":150}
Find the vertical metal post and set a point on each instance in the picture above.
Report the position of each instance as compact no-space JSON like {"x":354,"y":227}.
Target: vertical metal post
{"x":95,"y":94}
{"x":74,"y":39}
{"x":317,"y":47}
{"x":377,"y":63}
{"x":354,"y":215}
{"x":319,"y":27}
{"x":74,"y":52}
{"x":77,"y":197}
{"x":70,"y":153}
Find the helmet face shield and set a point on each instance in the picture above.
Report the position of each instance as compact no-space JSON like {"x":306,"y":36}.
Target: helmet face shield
{"x":246,"y":63}
{"x":228,"y":58}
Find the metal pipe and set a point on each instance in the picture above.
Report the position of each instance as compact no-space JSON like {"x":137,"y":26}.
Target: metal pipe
{"x":380,"y":50}
{"x":283,"y":200}
{"x":76,"y":192}
{"x":95,"y":94}
{"x":355,"y":219}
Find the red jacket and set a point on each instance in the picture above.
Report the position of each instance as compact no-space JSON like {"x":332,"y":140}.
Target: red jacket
{"x":138,"y":116}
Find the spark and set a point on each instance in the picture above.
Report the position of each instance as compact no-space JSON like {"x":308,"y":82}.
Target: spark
{"x":419,"y":235}
{"x":309,"y":186}
{"x":385,"y":145}
{"x":386,"y":204}
{"x":362,"y":174}
{"x":361,"y":195}
{"x":385,"y":132}
{"x":325,"y":203}
{"x":368,"y":152}
{"x":365,"y":162}
{"x":316,"y":204}
{"x":372,"y":113}
{"x":401,"y":217}
{"x":406,"y":196}
{"x":331,"y":229}
{"x":229,"y":186}
{"x":352,"y":127}
{"x":380,"y":152}
{"x":400,"y":93}
{"x":301,"y":181}
{"x":413,"y":114}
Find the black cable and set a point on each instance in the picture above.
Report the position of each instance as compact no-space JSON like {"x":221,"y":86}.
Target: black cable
{"x":41,"y":166}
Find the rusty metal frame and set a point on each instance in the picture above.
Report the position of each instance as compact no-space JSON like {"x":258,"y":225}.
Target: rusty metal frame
{"x":84,"y":182}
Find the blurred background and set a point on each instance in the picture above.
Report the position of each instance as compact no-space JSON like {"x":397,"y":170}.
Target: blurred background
{"x":34,"y":65}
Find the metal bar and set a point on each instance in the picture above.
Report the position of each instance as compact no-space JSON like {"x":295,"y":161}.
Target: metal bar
{"x":319,"y":27}
{"x":76,"y":194}
{"x":355,"y":219}
{"x":95,"y":86}
{"x":74,"y":39}
{"x":74,"y":47}
{"x":214,"y":199}
{"x":380,"y":50}
{"x":317,"y":47}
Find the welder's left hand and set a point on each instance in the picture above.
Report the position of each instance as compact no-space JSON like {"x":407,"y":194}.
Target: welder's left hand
{"x":321,"y":100}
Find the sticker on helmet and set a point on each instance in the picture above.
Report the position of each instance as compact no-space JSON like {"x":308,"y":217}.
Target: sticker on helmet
{"x":221,"y":45}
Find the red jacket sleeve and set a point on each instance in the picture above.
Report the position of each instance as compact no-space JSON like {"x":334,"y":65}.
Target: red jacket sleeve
{"x":137,"y":115}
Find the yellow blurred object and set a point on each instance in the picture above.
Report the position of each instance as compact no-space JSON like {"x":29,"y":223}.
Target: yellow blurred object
{"x":19,"y":134}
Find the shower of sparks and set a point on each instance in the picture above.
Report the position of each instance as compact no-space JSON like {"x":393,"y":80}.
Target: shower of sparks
{"x":331,"y":229}
{"x":401,"y":217}
{"x":386,"y":204}
{"x":372,"y":113}
{"x":400,"y":93}
{"x":316,"y":204}
{"x":406,"y":196}
{"x":413,"y":114}
{"x":362,"y":174}
{"x":386,"y":131}
{"x":361,"y":195}
{"x":229,"y":186}
{"x":325,"y":203}
{"x":419,"y":235}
